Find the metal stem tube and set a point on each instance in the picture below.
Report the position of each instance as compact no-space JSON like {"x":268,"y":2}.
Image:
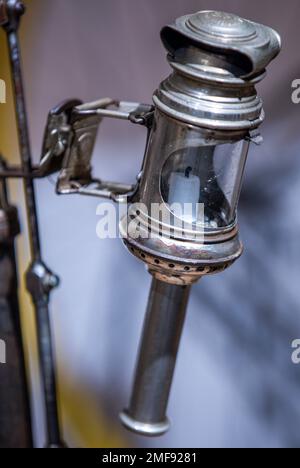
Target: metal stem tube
{"x":48,"y":375}
{"x":163,"y":325}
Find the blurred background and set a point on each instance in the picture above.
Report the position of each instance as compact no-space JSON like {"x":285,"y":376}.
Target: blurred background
{"x":235,"y":384}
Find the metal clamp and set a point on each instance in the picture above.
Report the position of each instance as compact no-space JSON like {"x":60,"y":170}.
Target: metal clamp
{"x":69,"y":142}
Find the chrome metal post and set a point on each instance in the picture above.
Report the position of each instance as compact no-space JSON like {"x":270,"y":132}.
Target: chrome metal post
{"x":163,"y":326}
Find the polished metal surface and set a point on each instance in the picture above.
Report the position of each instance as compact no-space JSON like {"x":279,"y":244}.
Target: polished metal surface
{"x":209,"y":101}
{"x":217,"y":59}
{"x":149,"y":430}
{"x":69,"y":141}
{"x":220,"y":32}
{"x":210,"y":97}
{"x":185,"y":255}
{"x":163,"y":325}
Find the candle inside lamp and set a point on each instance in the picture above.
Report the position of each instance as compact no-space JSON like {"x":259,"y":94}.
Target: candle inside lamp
{"x":184,"y":194}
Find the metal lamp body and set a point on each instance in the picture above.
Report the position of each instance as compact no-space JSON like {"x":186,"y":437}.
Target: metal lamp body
{"x":211,"y":91}
{"x":217,"y":59}
{"x":186,"y":254}
{"x":205,"y":115}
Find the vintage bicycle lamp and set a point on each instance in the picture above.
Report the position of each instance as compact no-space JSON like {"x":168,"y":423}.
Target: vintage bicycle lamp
{"x":181,"y":219}
{"x":204,"y":117}
{"x":206,"y":114}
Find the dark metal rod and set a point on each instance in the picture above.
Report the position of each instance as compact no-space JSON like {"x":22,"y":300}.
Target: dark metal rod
{"x":40,"y":280}
{"x":17,"y":173}
{"x":15,"y":420}
{"x":163,"y":326}
{"x":48,"y":375}
{"x":22,"y":124}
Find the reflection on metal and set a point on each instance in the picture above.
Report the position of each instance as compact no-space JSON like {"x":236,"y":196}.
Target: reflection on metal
{"x":205,"y":115}
{"x":157,"y":358}
{"x":70,"y":138}
{"x":208,"y":100}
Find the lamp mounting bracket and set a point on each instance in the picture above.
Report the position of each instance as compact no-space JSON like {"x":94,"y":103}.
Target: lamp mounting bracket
{"x":68,"y":145}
